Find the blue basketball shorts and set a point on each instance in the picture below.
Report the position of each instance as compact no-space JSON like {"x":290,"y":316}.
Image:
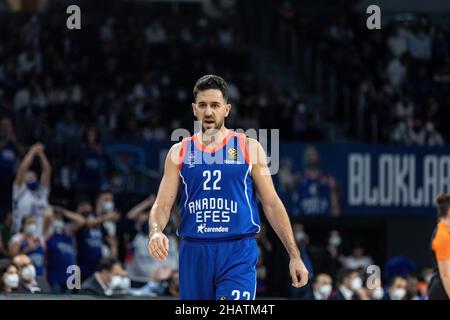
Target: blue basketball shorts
{"x":218,"y":270}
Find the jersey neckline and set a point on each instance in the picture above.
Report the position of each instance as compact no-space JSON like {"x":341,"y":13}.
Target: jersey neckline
{"x":217,"y":147}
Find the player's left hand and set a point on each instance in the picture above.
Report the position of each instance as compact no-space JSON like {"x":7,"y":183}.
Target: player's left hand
{"x":299,"y":273}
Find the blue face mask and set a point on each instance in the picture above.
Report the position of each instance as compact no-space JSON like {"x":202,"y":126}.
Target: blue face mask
{"x":33,"y":185}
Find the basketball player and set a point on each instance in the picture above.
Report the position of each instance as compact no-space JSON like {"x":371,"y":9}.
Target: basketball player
{"x":439,"y":287}
{"x":30,"y":194}
{"x":220,"y":173}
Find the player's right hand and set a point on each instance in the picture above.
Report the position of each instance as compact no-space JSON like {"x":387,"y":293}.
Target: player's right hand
{"x":158,"y":246}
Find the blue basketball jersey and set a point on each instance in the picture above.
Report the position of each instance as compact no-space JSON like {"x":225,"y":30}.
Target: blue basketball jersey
{"x":60,"y":255}
{"x":314,"y":194}
{"x":218,"y":200}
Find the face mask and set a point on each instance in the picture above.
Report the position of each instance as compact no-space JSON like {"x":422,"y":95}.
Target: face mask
{"x":378,"y":293}
{"x":116,"y":282}
{"x":33,"y":185}
{"x":335,"y":241}
{"x":58,"y":225}
{"x":31,"y":229}
{"x":356,"y":284}
{"x":28,"y":273}
{"x":108,"y":206}
{"x":125,"y":284}
{"x":299,"y":235}
{"x":11,"y":280}
{"x":398,"y":294}
{"x":325,"y":290}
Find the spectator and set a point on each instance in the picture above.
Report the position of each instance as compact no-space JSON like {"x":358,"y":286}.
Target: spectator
{"x":60,"y":246}
{"x":322,"y":287}
{"x":105,"y":206}
{"x":350,"y":286}
{"x":29,"y":281}
{"x":357,"y":261}
{"x":172,"y":289}
{"x":10,"y":153}
{"x":91,"y":176}
{"x":30,"y":194}
{"x":397,"y":289}
{"x":9,"y":277}
{"x":317,"y":191}
{"x":120,"y":282}
{"x":5,"y":235}
{"x":375,"y":289}
{"x":29,"y":243}
{"x":142,"y":266}
{"x":412,"y":289}
{"x":99,"y":284}
{"x":91,"y":238}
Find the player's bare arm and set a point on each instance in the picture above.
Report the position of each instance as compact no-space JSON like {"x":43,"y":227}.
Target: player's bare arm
{"x":158,"y":245}
{"x":46,"y":169}
{"x":26,"y":163}
{"x":275,"y":211}
{"x":444,"y":272}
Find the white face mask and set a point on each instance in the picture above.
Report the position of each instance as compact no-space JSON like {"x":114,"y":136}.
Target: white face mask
{"x":299,"y":235}
{"x":398,"y":294}
{"x":116,"y":282}
{"x":325,"y":290}
{"x":377,"y":293}
{"x":58,"y":225}
{"x":11,"y":280}
{"x":125,"y":284}
{"x":335,"y":241}
{"x":108,"y":206}
{"x":31,"y":229}
{"x":28,"y":273}
{"x":356,"y":284}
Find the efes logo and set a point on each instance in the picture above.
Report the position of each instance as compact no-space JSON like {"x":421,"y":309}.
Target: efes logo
{"x":223,"y":298}
{"x":232,"y":154}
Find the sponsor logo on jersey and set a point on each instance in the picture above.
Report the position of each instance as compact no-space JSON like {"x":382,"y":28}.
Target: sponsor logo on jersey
{"x":204,"y":229}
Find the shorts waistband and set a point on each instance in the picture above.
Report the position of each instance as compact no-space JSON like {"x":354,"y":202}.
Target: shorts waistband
{"x":206,"y":241}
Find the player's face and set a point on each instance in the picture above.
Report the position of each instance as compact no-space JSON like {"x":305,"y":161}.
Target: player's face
{"x":211,"y":109}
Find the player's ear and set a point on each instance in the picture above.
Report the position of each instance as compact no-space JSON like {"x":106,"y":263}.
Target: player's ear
{"x":193,"y":109}
{"x":227,"y":109}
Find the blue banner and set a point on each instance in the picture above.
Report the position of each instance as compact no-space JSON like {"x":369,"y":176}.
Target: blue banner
{"x":340,"y":179}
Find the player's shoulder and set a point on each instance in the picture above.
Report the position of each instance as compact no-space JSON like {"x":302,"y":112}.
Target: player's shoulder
{"x":442,"y":235}
{"x":175,"y":153}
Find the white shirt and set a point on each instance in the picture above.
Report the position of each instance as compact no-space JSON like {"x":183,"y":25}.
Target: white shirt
{"x":143,"y":265}
{"x":29,"y":203}
{"x":347,"y":293}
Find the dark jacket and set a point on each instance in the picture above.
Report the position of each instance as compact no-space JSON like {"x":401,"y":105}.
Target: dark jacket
{"x":91,"y":286}
{"x":41,"y":286}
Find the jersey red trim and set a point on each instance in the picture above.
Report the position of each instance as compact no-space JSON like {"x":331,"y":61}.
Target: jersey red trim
{"x":181,"y":153}
{"x":217,"y":147}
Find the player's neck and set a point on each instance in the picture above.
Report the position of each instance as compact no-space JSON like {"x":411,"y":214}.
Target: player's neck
{"x":446,"y":221}
{"x":216,"y":138}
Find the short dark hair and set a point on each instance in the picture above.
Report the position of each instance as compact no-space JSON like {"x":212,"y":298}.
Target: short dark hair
{"x":211,"y":81}
{"x":106,"y":264}
{"x":443,"y":204}
{"x":343,"y":274}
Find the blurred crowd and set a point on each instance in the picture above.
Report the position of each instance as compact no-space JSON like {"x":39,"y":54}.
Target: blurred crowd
{"x":388,"y":85}
{"x":92,"y":248}
{"x":130,"y":77}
